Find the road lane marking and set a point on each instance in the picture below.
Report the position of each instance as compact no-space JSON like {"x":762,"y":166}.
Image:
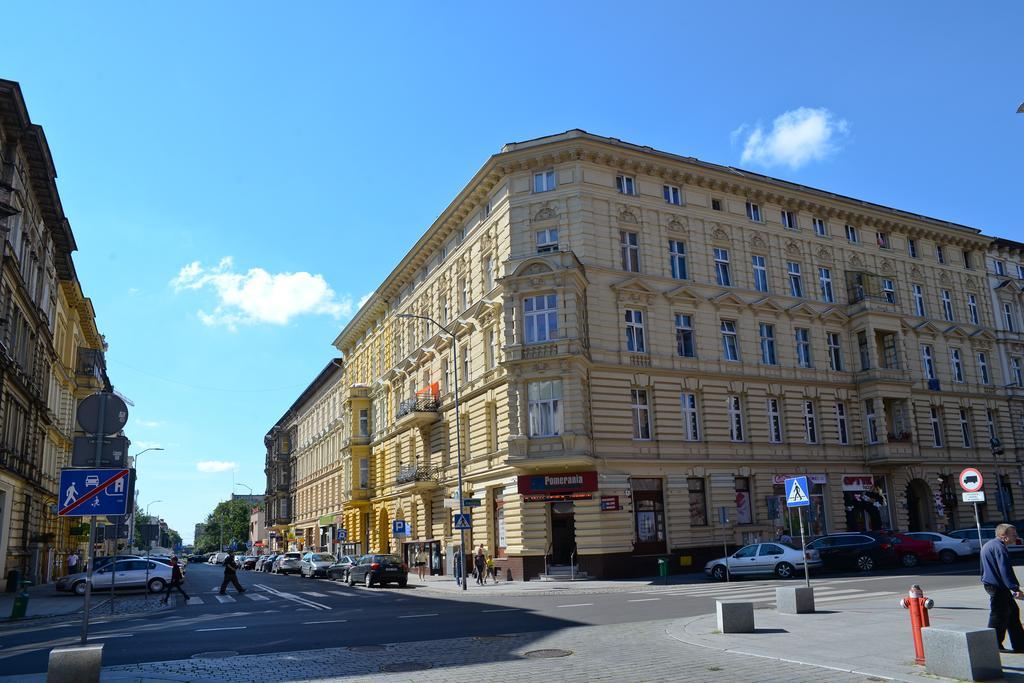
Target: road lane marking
{"x":222,"y":628}
{"x":877,"y":594}
{"x":295,"y":598}
{"x":416,"y":616}
{"x":224,"y":598}
{"x":314,"y":594}
{"x":195,"y":601}
{"x":578,"y":604}
{"x":506,"y":609}
{"x":327,"y":621}
{"x":341,"y":594}
{"x":111,"y":635}
{"x":256,"y":597}
{"x":645,"y":600}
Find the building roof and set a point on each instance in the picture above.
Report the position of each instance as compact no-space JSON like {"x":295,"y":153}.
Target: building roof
{"x":334,"y":367}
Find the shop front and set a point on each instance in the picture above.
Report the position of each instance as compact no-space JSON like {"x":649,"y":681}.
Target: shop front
{"x":328,"y":533}
{"x":428,"y":551}
{"x":559,"y":491}
{"x":787,"y":519}
{"x":866,"y":502}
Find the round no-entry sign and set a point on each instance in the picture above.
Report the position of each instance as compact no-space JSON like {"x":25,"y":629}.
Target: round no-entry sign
{"x":971,"y":480}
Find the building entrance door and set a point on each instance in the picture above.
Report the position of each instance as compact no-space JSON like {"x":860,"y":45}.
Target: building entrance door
{"x":563,"y":533}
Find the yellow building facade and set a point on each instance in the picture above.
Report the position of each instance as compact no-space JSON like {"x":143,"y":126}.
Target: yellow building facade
{"x":647,"y":346}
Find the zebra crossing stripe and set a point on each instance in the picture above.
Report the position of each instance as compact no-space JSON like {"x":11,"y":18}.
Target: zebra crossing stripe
{"x":224,"y":598}
{"x":256,"y":597}
{"x":877,"y":594}
{"x":314,"y":594}
{"x":196,"y":601}
{"x":342,"y":594}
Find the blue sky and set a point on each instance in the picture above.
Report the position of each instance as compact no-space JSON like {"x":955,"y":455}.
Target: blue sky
{"x":311,"y":147}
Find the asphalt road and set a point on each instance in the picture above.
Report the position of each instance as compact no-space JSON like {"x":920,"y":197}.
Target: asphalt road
{"x":289,"y":613}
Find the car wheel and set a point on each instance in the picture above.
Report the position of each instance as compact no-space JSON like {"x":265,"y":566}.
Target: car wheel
{"x":157,"y":585}
{"x":402,"y":583}
{"x":784,"y":570}
{"x":909,"y":560}
{"x":865,"y":563}
{"x":79,"y":588}
{"x":947,"y":556}
{"x":719,"y":572}
{"x":369,"y":580}
{"x":350,"y":580}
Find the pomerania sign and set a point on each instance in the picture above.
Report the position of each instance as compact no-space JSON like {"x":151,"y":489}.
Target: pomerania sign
{"x":565,"y":482}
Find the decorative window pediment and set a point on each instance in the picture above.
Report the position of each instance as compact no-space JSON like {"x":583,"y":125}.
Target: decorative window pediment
{"x":728,"y":299}
{"x":633,"y":290}
{"x":802,"y":309}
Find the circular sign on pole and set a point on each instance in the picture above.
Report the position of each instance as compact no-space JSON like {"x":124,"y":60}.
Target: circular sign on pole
{"x":971,"y":480}
{"x":110,"y":406}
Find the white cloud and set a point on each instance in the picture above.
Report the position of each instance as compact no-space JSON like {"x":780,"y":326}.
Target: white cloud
{"x":147,"y":423}
{"x":796,"y":138}
{"x":257,"y":296}
{"x":216,"y":466}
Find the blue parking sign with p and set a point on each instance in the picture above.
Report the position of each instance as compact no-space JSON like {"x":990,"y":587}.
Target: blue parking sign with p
{"x":797,"y":492}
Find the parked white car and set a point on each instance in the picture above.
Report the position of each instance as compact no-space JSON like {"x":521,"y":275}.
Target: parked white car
{"x":763,"y":558}
{"x":217,"y":558}
{"x":949,"y":549}
{"x":129,"y":573}
{"x":987,"y":534}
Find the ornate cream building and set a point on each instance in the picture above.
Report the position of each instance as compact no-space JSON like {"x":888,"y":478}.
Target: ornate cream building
{"x":647,"y":345}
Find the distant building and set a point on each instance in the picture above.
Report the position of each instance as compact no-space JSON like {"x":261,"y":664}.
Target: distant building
{"x":200,"y":530}
{"x":254,"y":499}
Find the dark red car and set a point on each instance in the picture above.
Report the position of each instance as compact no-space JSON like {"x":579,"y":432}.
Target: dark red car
{"x":910,"y":551}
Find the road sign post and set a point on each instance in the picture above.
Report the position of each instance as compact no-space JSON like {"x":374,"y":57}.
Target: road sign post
{"x":971,"y":482}
{"x":797,"y":496}
{"x":723,"y":518}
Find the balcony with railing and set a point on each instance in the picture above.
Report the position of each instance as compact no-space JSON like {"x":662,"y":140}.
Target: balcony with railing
{"x":417,"y":412}
{"x":417,"y":477}
{"x":869,"y":292}
{"x":91,"y":364}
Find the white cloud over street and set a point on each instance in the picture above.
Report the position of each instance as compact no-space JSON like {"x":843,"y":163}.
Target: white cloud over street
{"x":795,"y":138}
{"x":214,"y":466}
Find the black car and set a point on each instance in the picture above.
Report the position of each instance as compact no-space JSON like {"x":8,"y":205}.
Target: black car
{"x":249,"y":562}
{"x":268,"y":563}
{"x":854,"y":551}
{"x":339,"y":570}
{"x":378,"y":569}
{"x":198,"y":558}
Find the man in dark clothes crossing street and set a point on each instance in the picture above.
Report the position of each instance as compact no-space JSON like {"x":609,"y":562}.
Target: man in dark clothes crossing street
{"x":230,"y":575}
{"x":1001,"y":584}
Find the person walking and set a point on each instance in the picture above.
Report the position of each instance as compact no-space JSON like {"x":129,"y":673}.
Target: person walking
{"x":458,"y":568}
{"x":1001,"y":584}
{"x":420,"y":563}
{"x":230,"y":575}
{"x":492,"y":573}
{"x":480,"y":564}
{"x":176,"y":580}
{"x":73,"y":562}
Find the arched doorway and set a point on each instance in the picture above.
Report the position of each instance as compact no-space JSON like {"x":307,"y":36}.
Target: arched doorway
{"x":920,"y":506}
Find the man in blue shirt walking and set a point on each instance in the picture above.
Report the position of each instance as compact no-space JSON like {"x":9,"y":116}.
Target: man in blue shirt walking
{"x":1001,"y":584}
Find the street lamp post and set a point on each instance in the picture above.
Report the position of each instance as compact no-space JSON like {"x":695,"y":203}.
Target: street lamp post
{"x":131,"y":531}
{"x":458,"y":433}
{"x":147,"y":545}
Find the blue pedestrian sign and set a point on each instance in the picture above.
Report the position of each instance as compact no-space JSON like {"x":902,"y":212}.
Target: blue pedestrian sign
{"x":797,"y":492}
{"x":93,"y":492}
{"x":462,"y":522}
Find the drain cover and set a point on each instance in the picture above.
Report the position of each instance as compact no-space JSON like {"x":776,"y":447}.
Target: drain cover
{"x":366,"y":648}
{"x":216,"y":654}
{"x":547,"y":654}
{"x":403,"y":667}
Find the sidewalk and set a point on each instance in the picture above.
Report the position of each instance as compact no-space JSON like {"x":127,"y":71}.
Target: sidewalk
{"x":447,"y":585}
{"x":868,"y":638}
{"x":45,"y":602}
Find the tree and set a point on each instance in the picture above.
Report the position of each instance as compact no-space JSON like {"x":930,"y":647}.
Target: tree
{"x":233,"y":516}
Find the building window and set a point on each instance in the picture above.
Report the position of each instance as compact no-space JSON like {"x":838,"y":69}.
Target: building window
{"x":716,"y":204}
{"x":465,"y":364}
{"x":722,"y":276}
{"x":851,"y":234}
{"x":912,"y":247}
{"x":927,"y":362}
{"x":625,"y":184}
{"x":698,"y":501}
{"x":918,"y":300}
{"x":820,"y":229}
{"x":677,"y":259}
{"x":940,"y":254}
{"x":882,"y":238}
{"x":825,"y":278}
{"x":635,"y":340}
{"x":446,"y":313}
{"x":544,"y":181}
{"x":672,"y":194}
{"x":1020,"y":272}
{"x":774,"y":421}
{"x":767,"y":333}
{"x":691,"y":418}
{"x":862,"y":348}
{"x":999,"y":267}
{"x":789,"y":220}
{"x":488,"y":274}
{"x":463,"y":295}
{"x":1008,"y":317}
{"x":547,"y":240}
{"x":760,"y":273}
{"x":1015,"y":370}
{"x":641,"y":415}
{"x":540,"y":318}
{"x":630,"y":246}
{"x":844,"y":434}
{"x":684,"y":336}
{"x":735,"y":418}
{"x":972,"y":308}
{"x":730,"y":345}
{"x":492,"y":348}
{"x":936,"y":423}
{"x":889,"y":291}
{"x":947,"y":306}
{"x":983,"y":367}
{"x":835,"y":351}
{"x":967,"y":260}
{"x":364,"y":473}
{"x":991,"y":421}
{"x":956,"y":366}
{"x":810,"y":423}
{"x":744,"y":510}
{"x":965,"y":428}
{"x":364,"y":422}
{"x":869,"y":414}
{"x":796,"y":284}
{"x":545,"y":408}
{"x":446,"y":372}
{"x":803,"y":347}
{"x":754,"y":211}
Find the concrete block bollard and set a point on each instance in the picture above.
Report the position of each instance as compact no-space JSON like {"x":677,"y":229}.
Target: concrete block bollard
{"x":735,"y":617}
{"x":78,"y":664}
{"x":794,"y":600}
{"x":962,"y":652}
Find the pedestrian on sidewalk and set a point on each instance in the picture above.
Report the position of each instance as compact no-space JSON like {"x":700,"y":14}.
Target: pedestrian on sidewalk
{"x":230,"y":575}
{"x":480,"y":563}
{"x":492,"y":573}
{"x":73,"y":562}
{"x":420,"y":563}
{"x":176,"y":580}
{"x":458,"y":568}
{"x":1001,"y":584}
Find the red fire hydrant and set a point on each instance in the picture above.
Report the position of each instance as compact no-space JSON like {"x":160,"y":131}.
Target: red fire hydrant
{"x":918,"y":606}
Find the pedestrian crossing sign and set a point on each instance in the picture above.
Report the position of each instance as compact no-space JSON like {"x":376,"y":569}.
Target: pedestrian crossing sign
{"x":462,"y":522}
{"x":796,"y":492}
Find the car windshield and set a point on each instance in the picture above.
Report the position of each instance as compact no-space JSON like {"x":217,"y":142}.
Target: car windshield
{"x":292,"y":556}
{"x":387,"y":559}
{"x":321,"y":557}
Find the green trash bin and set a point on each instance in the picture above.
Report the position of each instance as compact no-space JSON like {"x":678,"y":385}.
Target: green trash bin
{"x":21,"y":602}
{"x":663,"y":568}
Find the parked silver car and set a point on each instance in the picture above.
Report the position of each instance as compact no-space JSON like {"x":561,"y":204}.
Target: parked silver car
{"x":287,"y":563}
{"x":315,"y":564}
{"x":131,"y":573}
{"x":763,"y":558}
